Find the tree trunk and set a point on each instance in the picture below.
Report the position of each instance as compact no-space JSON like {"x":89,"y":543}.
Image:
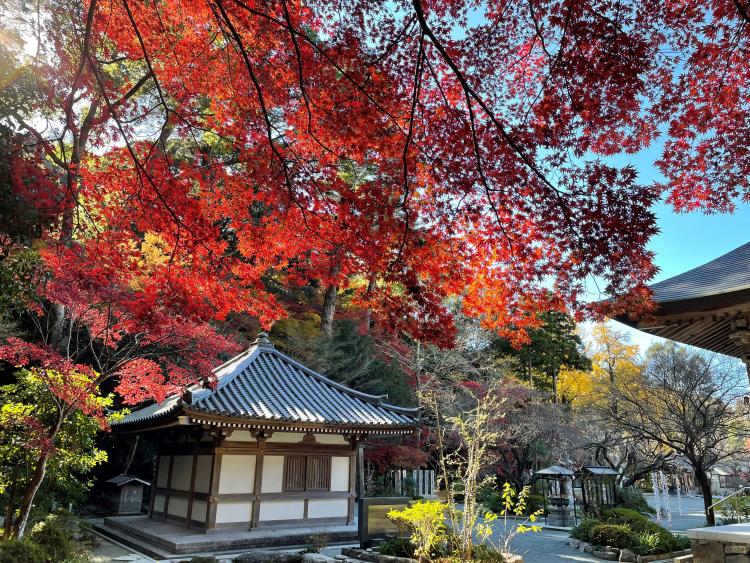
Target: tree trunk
{"x":329,"y":310}
{"x":367,"y":324}
{"x":27,"y":502}
{"x":705,"y":485}
{"x":329,"y":298}
{"x":57,"y":321}
{"x":9,"y":512}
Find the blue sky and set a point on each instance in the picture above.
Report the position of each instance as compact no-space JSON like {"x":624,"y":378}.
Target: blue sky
{"x":686,"y":240}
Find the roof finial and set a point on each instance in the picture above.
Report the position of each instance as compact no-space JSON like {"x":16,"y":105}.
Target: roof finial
{"x":263,"y":341}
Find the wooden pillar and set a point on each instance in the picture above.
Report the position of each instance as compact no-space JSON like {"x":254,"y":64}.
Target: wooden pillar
{"x":213,"y":488}
{"x":155,"y":479}
{"x":191,"y":494}
{"x":169,"y":488}
{"x":261,"y":437}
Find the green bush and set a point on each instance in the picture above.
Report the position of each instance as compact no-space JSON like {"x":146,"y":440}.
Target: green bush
{"x":641,"y":524}
{"x":53,"y":538}
{"x":647,"y":543}
{"x":484,"y":553}
{"x":632,"y":498}
{"x":616,"y":535}
{"x":583,"y":530}
{"x":21,"y":551}
{"x":397,"y":547}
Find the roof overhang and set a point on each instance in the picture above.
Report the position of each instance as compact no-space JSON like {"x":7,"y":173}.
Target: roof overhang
{"x":718,"y":322}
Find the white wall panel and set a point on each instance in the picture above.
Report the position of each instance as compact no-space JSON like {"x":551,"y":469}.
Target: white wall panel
{"x":327,"y":508}
{"x":282,"y":510}
{"x":339,"y":474}
{"x":237,"y":474}
{"x":273,"y":474}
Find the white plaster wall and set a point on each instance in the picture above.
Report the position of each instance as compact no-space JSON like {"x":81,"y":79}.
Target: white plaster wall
{"x":203,"y":473}
{"x":327,"y":508}
{"x":286,"y":437}
{"x":273,"y":474}
{"x":178,"y":506}
{"x":163,"y":471}
{"x":159,"y":503}
{"x":199,"y":510}
{"x":237,"y":474}
{"x":241,"y":436}
{"x":336,"y":439}
{"x":233,"y":512}
{"x":282,"y":509}
{"x":182,"y":470}
{"x":339,"y":473}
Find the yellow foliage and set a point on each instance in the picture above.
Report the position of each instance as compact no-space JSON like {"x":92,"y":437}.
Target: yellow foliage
{"x":154,"y":253}
{"x":615,"y":361}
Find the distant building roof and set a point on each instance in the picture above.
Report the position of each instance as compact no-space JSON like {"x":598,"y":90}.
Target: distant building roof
{"x":594,"y":470}
{"x":264,"y":387}
{"x":120,"y":480}
{"x":555,"y":470}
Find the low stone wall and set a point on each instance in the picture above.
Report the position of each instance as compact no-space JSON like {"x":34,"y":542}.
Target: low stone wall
{"x":625,"y":555}
{"x":710,"y":551}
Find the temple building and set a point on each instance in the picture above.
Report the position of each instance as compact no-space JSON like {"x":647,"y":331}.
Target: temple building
{"x":272,"y":444}
{"x":707,"y":307}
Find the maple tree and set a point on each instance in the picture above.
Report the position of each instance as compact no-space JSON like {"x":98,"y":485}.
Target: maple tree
{"x":181,"y":158}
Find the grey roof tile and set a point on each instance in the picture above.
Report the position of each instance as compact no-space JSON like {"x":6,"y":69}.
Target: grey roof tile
{"x":265,"y":384}
{"x":725,"y":274}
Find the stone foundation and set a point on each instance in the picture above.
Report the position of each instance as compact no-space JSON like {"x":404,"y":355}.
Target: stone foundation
{"x":721,"y":544}
{"x":708,"y":551}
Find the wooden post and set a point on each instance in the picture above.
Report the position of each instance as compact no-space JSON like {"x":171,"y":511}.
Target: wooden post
{"x":258,"y":481}
{"x":213,"y":488}
{"x":169,"y":488}
{"x":191,"y":494}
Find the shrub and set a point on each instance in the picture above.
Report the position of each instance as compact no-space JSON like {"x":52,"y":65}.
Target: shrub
{"x":583,"y":530}
{"x":54,"y":538}
{"x":21,"y":551}
{"x":641,"y":524}
{"x":397,"y":547}
{"x":633,"y":499}
{"x":426,"y":520}
{"x":648,"y":543}
{"x":484,"y":553}
{"x":616,"y":535}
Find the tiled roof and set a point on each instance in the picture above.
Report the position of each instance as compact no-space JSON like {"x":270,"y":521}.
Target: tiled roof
{"x":266,"y":385}
{"x":725,"y":274}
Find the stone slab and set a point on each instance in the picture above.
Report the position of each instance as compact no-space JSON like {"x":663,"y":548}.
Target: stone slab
{"x":731,"y":533}
{"x":176,"y":539}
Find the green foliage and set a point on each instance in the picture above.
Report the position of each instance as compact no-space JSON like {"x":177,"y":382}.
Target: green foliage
{"x":644,"y":536}
{"x":54,"y":538}
{"x":484,"y":553}
{"x":492,"y":500}
{"x":425,"y":521}
{"x":27,"y":410}
{"x":616,"y":535}
{"x":647,"y":542}
{"x":583,"y":530}
{"x":633,"y":499}
{"x":553,"y":345}
{"x":21,"y":551}
{"x":397,"y":547}
{"x":316,"y":543}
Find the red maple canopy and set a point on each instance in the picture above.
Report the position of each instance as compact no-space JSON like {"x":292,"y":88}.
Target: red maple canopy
{"x":407,"y":151}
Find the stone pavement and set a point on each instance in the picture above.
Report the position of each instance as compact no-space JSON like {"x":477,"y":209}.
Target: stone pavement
{"x":692,"y":512}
